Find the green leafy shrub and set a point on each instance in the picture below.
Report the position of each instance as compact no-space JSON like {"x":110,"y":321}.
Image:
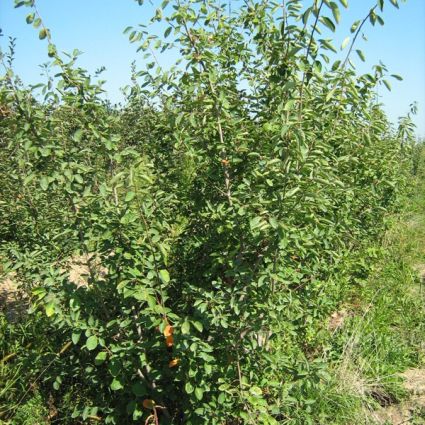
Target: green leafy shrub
{"x":215,"y":215}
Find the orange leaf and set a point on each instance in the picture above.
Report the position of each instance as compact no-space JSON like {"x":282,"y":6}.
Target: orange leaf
{"x":169,"y":341}
{"x":168,"y":331}
{"x":174,"y":362}
{"x":148,"y":403}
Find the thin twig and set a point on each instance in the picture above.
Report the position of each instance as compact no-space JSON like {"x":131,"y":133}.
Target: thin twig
{"x":356,"y":35}
{"x":310,"y":43}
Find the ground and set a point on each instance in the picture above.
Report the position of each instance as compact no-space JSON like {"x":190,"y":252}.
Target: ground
{"x":411,"y":241}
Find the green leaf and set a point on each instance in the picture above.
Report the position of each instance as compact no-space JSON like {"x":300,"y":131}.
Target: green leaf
{"x":335,"y":12}
{"x":50,"y":309}
{"x":394,"y":3}
{"x":130,"y":196}
{"x":289,"y":105}
{"x":292,"y":192}
{"x":256,"y":391}
{"x":273,"y":222}
{"x":116,"y":385}
{"x":44,"y":183}
{"x":327,"y":45}
{"x":387,"y":84}
{"x":36,"y":23}
{"x":139,"y":389}
{"x":131,"y":407}
{"x":328,"y":23}
{"x":306,"y":15}
{"x":39,"y":292}
{"x":29,"y":179}
{"x":336,"y":65}
{"x":344,"y":3}
{"x":254,"y":222}
{"x":199,"y":393}
{"x":42,"y":34}
{"x":158,"y":14}
{"x":92,"y":342}
{"x":397,"y":77}
{"x":114,"y":367}
{"x":345,"y":43}
{"x":185,"y":327}
{"x":354,"y":26}
{"x":189,"y":388}
{"x":330,"y":95}
{"x":30,"y":18}
{"x":75,"y":337}
{"x":164,"y":275}
{"x":361,"y":55}
{"x":78,"y":134}
{"x":198,"y":326}
{"x":100,"y":358}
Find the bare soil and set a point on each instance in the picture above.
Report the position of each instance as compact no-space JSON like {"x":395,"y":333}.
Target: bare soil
{"x":410,"y":411}
{"x":12,"y":300}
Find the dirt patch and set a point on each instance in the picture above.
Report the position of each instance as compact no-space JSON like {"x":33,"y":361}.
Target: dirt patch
{"x":8,"y":289}
{"x":83,"y":267}
{"x":416,"y":220}
{"x":12,"y":300}
{"x":420,"y":270}
{"x":392,"y":415}
{"x":410,"y":411}
{"x":337,"y":319}
{"x":414,"y":381}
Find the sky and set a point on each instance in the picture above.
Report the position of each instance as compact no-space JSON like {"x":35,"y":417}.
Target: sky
{"x":96,"y":28}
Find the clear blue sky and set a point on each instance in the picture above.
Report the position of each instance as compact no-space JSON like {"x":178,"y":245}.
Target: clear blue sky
{"x":96,"y":28}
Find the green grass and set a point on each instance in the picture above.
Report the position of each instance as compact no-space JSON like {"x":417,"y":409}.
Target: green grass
{"x":32,"y":412}
{"x":385,"y":333}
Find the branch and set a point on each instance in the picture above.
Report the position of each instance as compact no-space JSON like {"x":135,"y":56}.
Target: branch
{"x":306,"y":58}
{"x":217,"y":109}
{"x":356,"y":35}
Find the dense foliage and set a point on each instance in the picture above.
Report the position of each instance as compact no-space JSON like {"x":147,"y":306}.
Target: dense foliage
{"x":222,"y":213}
